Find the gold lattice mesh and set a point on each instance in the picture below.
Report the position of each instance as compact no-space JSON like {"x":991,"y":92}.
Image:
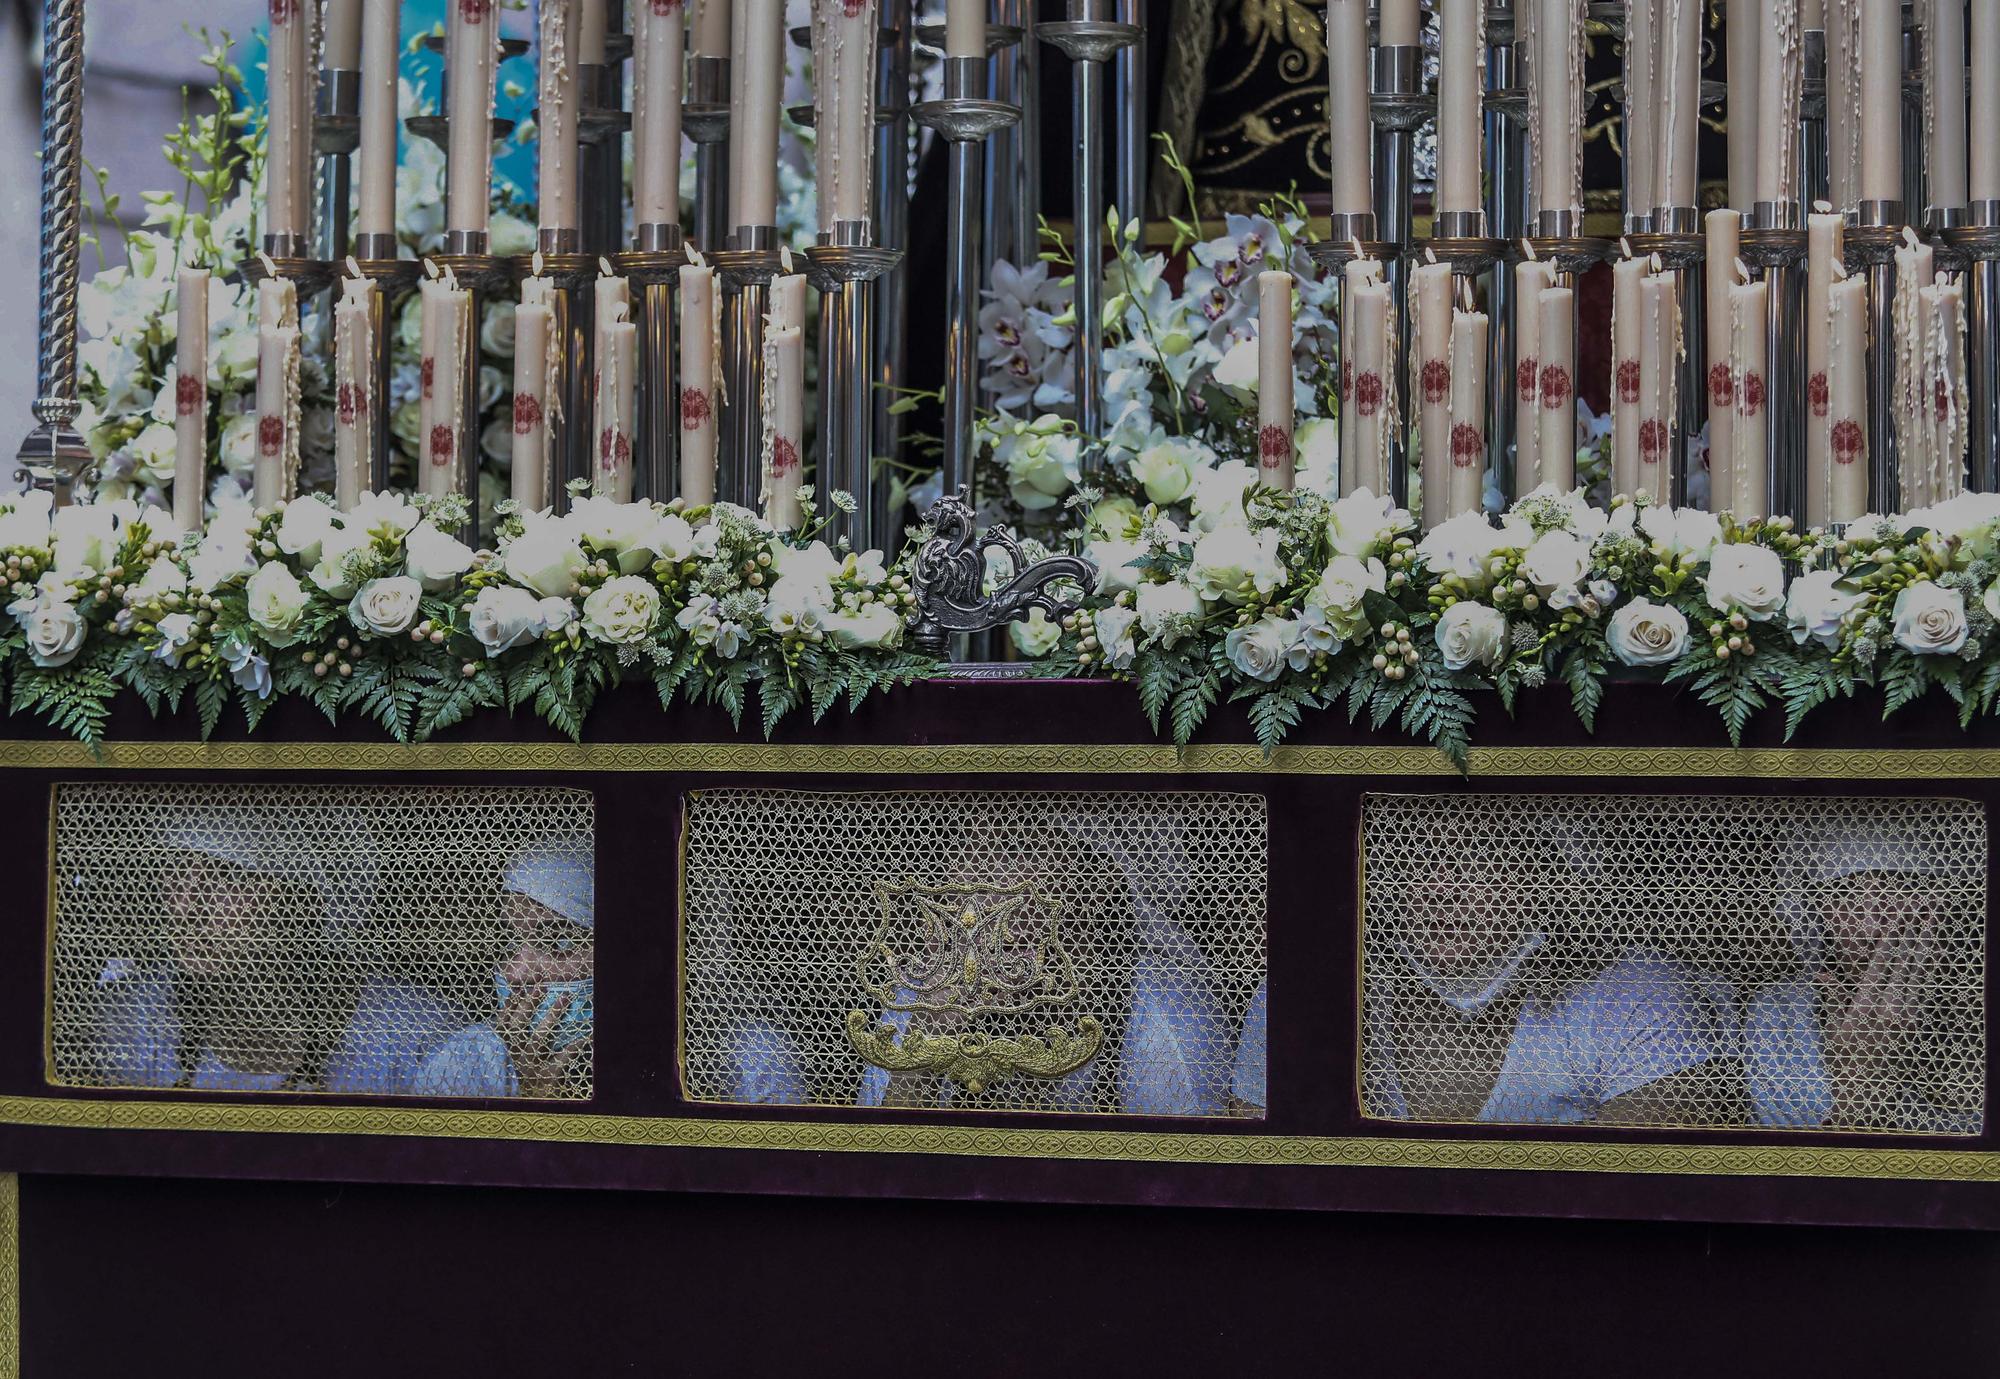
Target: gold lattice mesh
{"x":1098,"y":952}
{"x":332,"y":939}
{"x":1675,"y":961}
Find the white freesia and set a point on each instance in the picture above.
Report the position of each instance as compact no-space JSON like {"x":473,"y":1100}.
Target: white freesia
{"x":162,"y":577}
{"x":1361,"y":524}
{"x":1688,"y":533}
{"x":1114,"y":627}
{"x":176,"y":631}
{"x":872,"y":625}
{"x":546,"y":558}
{"x":435,"y":558}
{"x":1746,"y":579}
{"x":622,"y":611}
{"x":1557,"y":560}
{"x":222,"y":555}
{"x":556,"y":614}
{"x":1342,"y":586}
{"x":623,"y":531}
{"x":1262,"y":650}
{"x":1929,"y":619}
{"x":277,"y":603}
{"x":814,"y":562}
{"x":1469,"y":632}
{"x":1972,"y":517}
{"x":1644,"y":633}
{"x":333,"y":574}
{"x":391,"y":511}
{"x":1218,"y":496}
{"x":386,"y":606}
{"x":503,"y":616}
{"x":1817,"y":608}
{"x":1466,"y":544}
{"x":302,"y":528}
{"x":1231,"y":564}
{"x":672,"y":538}
{"x":249,"y":670}
{"x":85,"y":537}
{"x":1117,"y":564}
{"x":1238,"y":366}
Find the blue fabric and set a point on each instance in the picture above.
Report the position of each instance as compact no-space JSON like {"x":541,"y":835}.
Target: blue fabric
{"x":1784,"y":1057}
{"x":1246,"y":1078}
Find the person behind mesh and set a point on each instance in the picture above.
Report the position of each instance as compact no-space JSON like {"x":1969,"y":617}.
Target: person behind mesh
{"x":255,"y":981}
{"x":1516,"y":993}
{"x":1840,"y":1043}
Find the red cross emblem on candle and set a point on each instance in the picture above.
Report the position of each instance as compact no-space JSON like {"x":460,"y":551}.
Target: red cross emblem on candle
{"x":1468,"y":446}
{"x":1436,"y":378}
{"x":1525,"y":374}
{"x":427,"y":371}
{"x":1941,"y":399}
{"x":1652,"y":440}
{"x":187,"y":395}
{"x":1628,"y":380}
{"x":474,"y":11}
{"x":1274,"y":445}
{"x":444,"y":445}
{"x":349,"y":402}
{"x":1346,"y":381}
{"x":1752,"y":401}
{"x":527,"y":413}
{"x":284,"y":11}
{"x":1555,"y":386}
{"x":1846,"y":441}
{"x":850,"y":8}
{"x":1368,"y":394}
{"x":270,"y":435}
{"x":695,"y":410}
{"x":614,"y":450}
{"x":1721,"y":386}
{"x":1816,"y":393}
{"x":784,"y":455}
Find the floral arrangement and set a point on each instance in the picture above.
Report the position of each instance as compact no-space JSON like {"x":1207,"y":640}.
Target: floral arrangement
{"x":382,"y":612}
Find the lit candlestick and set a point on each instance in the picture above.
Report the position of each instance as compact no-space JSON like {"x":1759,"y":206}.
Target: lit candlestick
{"x":288,"y":164}
{"x":1357,"y":274}
{"x":381,"y":46}
{"x":1724,"y":229}
{"x":757,"y":74}
{"x":1823,"y":251}
{"x":1678,"y":85}
{"x":1944,"y":102}
{"x":1467,"y":483}
{"x":784,"y":426}
{"x":788,"y":297}
{"x":1430,"y":293}
{"x":617,"y":406}
{"x":190,"y":397}
{"x":965,"y":28}
{"x":556,"y":118}
{"x":1779,"y":66}
{"x":535,"y":392}
{"x":277,"y":302}
{"x":1879,"y":57}
{"x":1749,"y":492}
{"x":1983,"y":182}
{"x":353,"y":381}
{"x":1555,"y":91}
{"x":660,"y":42}
{"x":1531,"y":278}
{"x":341,"y":47}
{"x":1638,"y":141}
{"x":844,"y":41}
{"x":1275,"y":463}
{"x":1627,"y":342}
{"x":1347,"y":105}
{"x":1402,"y":23}
{"x":1741,"y":69}
{"x":590,"y":30}
{"x":711,"y":28}
{"x":612,"y":295}
{"x":1461,"y":110}
{"x":1556,"y":337}
{"x":699,"y":327}
{"x":1659,"y":349}
{"x":1847,"y":398}
{"x":471,"y":55}
{"x":1375,"y":405}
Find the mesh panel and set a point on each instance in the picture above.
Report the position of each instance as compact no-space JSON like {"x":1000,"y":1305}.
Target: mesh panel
{"x":1692,"y":961}
{"x":1056,"y":952}
{"x":332,"y":939}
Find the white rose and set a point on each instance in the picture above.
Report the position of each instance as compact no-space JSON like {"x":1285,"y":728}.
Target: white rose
{"x":55,"y":632}
{"x":1114,"y":626}
{"x":237,"y":445}
{"x":1116,"y":516}
{"x":1230,"y":562}
{"x":871,"y":625}
{"x":1166,"y":471}
{"x":1262,"y":649}
{"x":1169,"y":612}
{"x":502,"y":617}
{"x":1929,"y":619}
{"x":435,"y":558}
{"x":1644,"y":633}
{"x":545,"y":558}
{"x":1746,"y":579}
{"x":496,"y":336}
{"x":1341,"y":588}
{"x":153,"y":452}
{"x":510,"y":237}
{"x":1688,"y":533}
{"x":1469,"y":632}
{"x":1036,"y":637}
{"x":556,"y":614}
{"x":622,"y":611}
{"x":1817,"y":608}
{"x":1361,"y":524}
{"x":1116,"y":564}
{"x":277,"y":603}
{"x":1557,"y":560}
{"x":303,"y":527}
{"x":386,"y":607}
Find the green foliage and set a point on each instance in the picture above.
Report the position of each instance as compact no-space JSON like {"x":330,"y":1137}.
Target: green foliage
{"x":74,"y":698}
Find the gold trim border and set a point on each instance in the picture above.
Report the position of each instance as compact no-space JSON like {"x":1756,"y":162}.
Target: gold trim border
{"x":1767,"y":763}
{"x":10,"y":1276}
{"x":1128,"y":1146}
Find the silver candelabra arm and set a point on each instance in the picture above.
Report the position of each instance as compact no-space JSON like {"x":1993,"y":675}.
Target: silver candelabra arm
{"x":949,"y":578}
{"x":54,"y":456}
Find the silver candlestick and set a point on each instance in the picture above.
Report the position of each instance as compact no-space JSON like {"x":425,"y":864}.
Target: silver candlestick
{"x":1129,"y":85}
{"x":336,"y":136}
{"x":844,"y":266}
{"x":573,"y":343}
{"x":1775,"y":242}
{"x":746,"y":268}
{"x":601,"y":123}
{"x":1678,"y":243}
{"x":1870,"y":245}
{"x":1398,"y":106}
{"x":1978,"y":243}
{"x":1506,"y":116}
{"x":891,"y":215}
{"x":705,"y":119}
{"x":654,"y":266}
{"x":1813,"y":173}
{"x":1004,"y":192}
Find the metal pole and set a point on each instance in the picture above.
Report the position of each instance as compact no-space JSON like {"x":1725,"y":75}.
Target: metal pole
{"x":1506,"y":209}
{"x":1813,"y":173}
{"x":706,"y":119}
{"x":1983,"y":347}
{"x":892,"y":231}
{"x":1877,"y":223}
{"x":1399,"y":108}
{"x":1129,"y":74}
{"x":1000,"y":220}
{"x":964,"y":78}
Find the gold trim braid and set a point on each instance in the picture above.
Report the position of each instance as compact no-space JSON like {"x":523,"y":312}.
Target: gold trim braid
{"x":1129,"y":1146}
{"x":723,"y":758}
{"x":10,"y":1276}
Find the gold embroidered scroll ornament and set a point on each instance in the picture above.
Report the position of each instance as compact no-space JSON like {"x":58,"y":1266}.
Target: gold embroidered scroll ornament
{"x":982,"y":951}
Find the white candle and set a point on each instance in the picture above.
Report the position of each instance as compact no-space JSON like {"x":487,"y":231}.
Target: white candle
{"x":612,"y":296}
{"x":1983,"y":182}
{"x":617,"y":408}
{"x":1880,"y":59}
{"x":1430,"y":293}
{"x":1357,"y":274}
{"x":1557,"y":338}
{"x":1723,"y":228}
{"x":353,"y":382}
{"x":472,"y":52}
{"x":1659,"y":348}
{"x":1944,"y":102}
{"x":1402,"y":24}
{"x":556,"y":118}
{"x":757,"y":74}
{"x":699,"y":328}
{"x":447,"y":335}
{"x":1950,"y":424}
{"x":1778,"y":71}
{"x":1347,"y":106}
{"x":1627,"y":337}
{"x":190,"y":397}
{"x":1847,"y":394}
{"x":1843,"y":127}
{"x":1467,"y":484}
{"x":1375,"y":405}
{"x":1275,"y":465}
{"x":1749,"y":494}
{"x":1555,"y":89}
{"x":590,"y":31}
{"x":1823,"y":251}
{"x":711,"y":28}
{"x":276,"y":468}
{"x":844,"y":39}
{"x":1461,"y":111}
{"x":660,"y":42}
{"x":1679,"y":87}
{"x":1741,"y":64}
{"x":788,"y":302}
{"x":277,"y":302}
{"x":381,"y":45}
{"x":534,"y":333}
{"x":784,"y":427}
{"x":964,"y":28}
{"x":287,"y":168}
{"x":1531,"y":278}
{"x":1638,"y":139}
{"x":1911,"y":319}
{"x":341,"y":49}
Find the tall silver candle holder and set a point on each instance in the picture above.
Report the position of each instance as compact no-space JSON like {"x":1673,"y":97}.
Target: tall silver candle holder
{"x":890,"y":211}
{"x":1774,"y":242}
{"x":844,"y":267}
{"x":965,"y":118}
{"x":1813,"y":171}
{"x":601,"y":123}
{"x":1678,"y":243}
{"x":746,"y":269}
{"x":1003,"y":43}
{"x":1398,"y":106}
{"x":573,"y":347}
{"x":1088,"y":42}
{"x":654,"y":266}
{"x":1506,"y":117}
{"x":1005,"y":189}
{"x":1978,"y":244}
{"x":705,"y":121}
{"x":1130,"y":94}
{"x":1870,"y":246}
{"x":1459,"y":238}
{"x":336,"y":137}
